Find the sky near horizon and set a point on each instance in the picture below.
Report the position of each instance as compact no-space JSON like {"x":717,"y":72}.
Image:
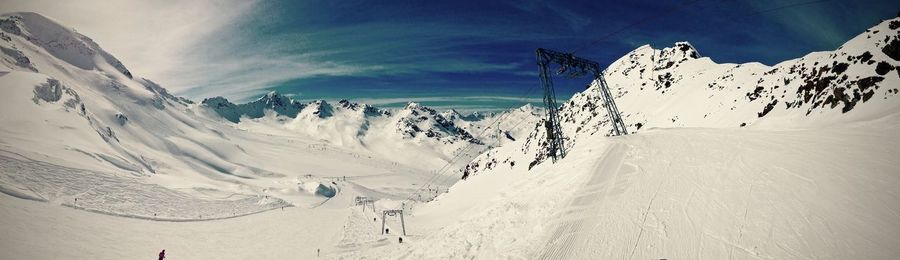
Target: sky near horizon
{"x":468,"y":55}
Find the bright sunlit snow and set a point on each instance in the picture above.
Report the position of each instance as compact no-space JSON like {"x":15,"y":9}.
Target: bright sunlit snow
{"x":797,"y":160}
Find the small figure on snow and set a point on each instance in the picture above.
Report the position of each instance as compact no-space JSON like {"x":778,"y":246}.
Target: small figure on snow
{"x":387,"y":230}
{"x":162,"y":254}
{"x":401,"y":239}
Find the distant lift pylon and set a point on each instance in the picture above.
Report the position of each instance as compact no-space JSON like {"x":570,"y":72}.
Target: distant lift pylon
{"x":571,"y":67}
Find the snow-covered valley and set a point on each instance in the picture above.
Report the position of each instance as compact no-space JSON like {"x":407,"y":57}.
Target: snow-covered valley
{"x":748,"y":161}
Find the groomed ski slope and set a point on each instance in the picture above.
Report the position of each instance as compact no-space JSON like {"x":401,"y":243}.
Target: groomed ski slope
{"x":677,"y":194}
{"x":34,"y":230}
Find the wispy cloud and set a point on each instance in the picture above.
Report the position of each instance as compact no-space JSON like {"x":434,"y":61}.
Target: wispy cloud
{"x":402,"y":51}
{"x":152,"y":38}
{"x":197,"y":48}
{"x":574,"y":20}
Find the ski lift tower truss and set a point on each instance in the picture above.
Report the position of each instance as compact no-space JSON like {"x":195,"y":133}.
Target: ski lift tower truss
{"x":365,"y":200}
{"x":393,"y":212}
{"x":570,"y":67}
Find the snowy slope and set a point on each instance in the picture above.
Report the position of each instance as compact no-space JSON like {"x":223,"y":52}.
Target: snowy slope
{"x":686,"y":193}
{"x":813,"y":176}
{"x":77,"y":116}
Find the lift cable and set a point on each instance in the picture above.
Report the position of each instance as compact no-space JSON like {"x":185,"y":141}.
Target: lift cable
{"x":463,"y":151}
{"x":495,"y":141}
{"x":785,"y":7}
{"x":659,"y":14}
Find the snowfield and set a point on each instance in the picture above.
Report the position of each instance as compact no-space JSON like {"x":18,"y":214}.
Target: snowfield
{"x":738,"y":161}
{"x":677,"y":194}
{"x":667,"y":193}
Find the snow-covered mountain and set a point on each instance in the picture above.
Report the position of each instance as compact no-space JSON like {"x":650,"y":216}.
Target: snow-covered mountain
{"x":280,"y":104}
{"x":77,"y":115}
{"x":414,"y":127}
{"x":677,"y":87}
{"x":85,"y":104}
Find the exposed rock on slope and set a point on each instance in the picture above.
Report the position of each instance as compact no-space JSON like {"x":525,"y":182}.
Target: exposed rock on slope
{"x":676,"y":87}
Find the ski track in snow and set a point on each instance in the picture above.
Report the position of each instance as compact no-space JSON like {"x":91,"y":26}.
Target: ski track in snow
{"x":676,"y":194}
{"x":118,"y":194}
{"x":574,"y":230}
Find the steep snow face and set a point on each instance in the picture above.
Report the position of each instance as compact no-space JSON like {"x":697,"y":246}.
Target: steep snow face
{"x":676,"y":87}
{"x":61,"y":42}
{"x":82,"y":99}
{"x":88,"y":111}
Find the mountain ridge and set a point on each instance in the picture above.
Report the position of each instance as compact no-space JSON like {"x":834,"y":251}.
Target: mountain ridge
{"x":661,"y":89}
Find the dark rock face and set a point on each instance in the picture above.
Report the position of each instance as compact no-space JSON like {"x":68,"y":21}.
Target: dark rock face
{"x":840,"y":68}
{"x":892,"y":49}
{"x":366,"y":109}
{"x":232,"y":112}
{"x":755,"y":94}
{"x":48,"y":92}
{"x":322,"y":109}
{"x":768,"y":108}
{"x":883,"y":68}
{"x":121,"y":118}
{"x":224,"y":108}
{"x":436,"y":126}
{"x":11,"y":26}
{"x":20,"y":59}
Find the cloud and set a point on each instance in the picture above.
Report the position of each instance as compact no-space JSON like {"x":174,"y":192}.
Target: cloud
{"x":189,"y":47}
{"x":150,"y":37}
{"x":239,"y":49}
{"x":574,"y":20}
{"x":812,"y":21}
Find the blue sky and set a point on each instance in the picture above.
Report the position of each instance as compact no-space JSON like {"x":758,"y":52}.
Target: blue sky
{"x":469,"y":55}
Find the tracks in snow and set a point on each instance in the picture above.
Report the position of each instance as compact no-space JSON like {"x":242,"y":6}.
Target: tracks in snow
{"x":569,"y":239}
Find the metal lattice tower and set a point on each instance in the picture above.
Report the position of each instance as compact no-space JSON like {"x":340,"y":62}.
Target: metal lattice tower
{"x":365,"y":200}
{"x":572,"y":67}
{"x":393,"y":212}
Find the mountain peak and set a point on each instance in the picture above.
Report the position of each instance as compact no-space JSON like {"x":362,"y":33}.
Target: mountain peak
{"x":59,"y":41}
{"x":412,"y":105}
{"x":679,"y":52}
